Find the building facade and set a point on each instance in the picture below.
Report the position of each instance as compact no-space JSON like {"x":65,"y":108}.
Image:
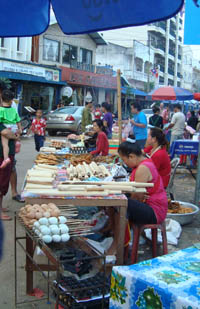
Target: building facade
{"x":76,"y":57}
{"x":38,"y":86}
{"x":164,"y":38}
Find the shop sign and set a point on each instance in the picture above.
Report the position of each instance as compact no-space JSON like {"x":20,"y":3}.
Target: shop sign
{"x":77,"y":77}
{"x":48,"y":74}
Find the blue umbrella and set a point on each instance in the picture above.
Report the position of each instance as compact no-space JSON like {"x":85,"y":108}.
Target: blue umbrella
{"x":31,"y":17}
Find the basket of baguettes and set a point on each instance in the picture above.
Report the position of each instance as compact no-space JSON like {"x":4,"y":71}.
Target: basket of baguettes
{"x":182,"y":212}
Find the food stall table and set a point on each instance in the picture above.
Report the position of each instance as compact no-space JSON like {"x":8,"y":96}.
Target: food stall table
{"x":169,"y":281}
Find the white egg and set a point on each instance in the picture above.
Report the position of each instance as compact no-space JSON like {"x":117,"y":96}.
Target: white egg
{"x":42,"y":227}
{"x":56,"y":238}
{"x":64,"y":229}
{"x":46,"y":231}
{"x":47,"y":239}
{"x":43,"y":221}
{"x":41,"y":235}
{"x":55,"y":231}
{"x":36,"y":224}
{"x":37,"y":232}
{"x":53,"y":220}
{"x":62,"y":219}
{"x":65,"y":237}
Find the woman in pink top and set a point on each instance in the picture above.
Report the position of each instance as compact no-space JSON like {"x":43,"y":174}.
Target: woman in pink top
{"x":143,"y":208}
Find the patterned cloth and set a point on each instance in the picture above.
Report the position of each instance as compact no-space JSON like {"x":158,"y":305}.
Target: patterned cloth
{"x":168,"y":282}
{"x":38,"y":126}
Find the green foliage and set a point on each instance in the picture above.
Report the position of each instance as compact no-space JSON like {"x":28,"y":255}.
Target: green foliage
{"x":6,"y":81}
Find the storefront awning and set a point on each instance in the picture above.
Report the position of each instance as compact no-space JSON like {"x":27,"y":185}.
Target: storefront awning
{"x":30,"y":78}
{"x":133,"y":91}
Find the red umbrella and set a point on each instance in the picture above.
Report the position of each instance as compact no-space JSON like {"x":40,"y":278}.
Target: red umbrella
{"x":197,"y":96}
{"x":169,"y":93}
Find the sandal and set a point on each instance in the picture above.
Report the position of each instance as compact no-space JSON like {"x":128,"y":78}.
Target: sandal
{"x":18,"y":198}
{"x":5,"y":163}
{"x":4,"y":217}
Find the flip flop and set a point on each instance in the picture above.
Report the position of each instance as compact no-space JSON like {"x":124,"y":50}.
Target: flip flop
{"x":18,"y":198}
{"x":4,"y":217}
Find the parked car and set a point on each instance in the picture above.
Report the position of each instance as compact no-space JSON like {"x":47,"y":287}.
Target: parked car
{"x":65,"y":119}
{"x":148,"y":112}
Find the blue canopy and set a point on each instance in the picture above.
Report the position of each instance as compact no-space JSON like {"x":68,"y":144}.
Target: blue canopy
{"x":133,"y":91}
{"x":31,"y":17}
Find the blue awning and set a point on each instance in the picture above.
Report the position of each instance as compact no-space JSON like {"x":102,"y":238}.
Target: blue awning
{"x":133,"y":91}
{"x":30,"y":78}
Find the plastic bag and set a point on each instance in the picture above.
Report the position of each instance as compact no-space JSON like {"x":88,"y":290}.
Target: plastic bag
{"x":127,"y":130}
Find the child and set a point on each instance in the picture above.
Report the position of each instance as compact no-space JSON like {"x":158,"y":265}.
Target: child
{"x":38,"y":127}
{"x":10,"y":119}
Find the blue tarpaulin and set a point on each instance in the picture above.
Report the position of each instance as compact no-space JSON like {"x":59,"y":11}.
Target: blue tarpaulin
{"x":31,"y":17}
{"x":133,"y":91}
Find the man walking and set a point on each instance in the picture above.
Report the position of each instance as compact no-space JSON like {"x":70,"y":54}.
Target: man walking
{"x":139,"y":123}
{"x":177,"y":124}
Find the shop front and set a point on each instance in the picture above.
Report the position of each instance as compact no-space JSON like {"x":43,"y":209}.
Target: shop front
{"x":34,"y":85}
{"x":102,"y":87}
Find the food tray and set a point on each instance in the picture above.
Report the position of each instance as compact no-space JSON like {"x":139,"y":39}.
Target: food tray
{"x":184,"y":218}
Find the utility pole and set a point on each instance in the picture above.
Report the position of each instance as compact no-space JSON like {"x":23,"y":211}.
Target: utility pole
{"x":148,"y":75}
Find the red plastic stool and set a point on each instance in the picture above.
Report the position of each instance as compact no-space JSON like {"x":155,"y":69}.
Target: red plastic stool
{"x":138,"y":229}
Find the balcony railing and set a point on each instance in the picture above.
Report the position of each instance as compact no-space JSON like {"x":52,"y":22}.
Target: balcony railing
{"x":91,"y":68}
{"x":179,"y":57}
{"x":161,"y":47}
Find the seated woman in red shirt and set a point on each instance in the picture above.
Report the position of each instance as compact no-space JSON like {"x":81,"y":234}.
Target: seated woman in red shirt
{"x":156,"y":150}
{"x":102,"y":145}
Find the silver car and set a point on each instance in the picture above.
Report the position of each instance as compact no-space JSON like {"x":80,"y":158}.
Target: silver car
{"x":65,"y":119}
{"x":148,"y":112}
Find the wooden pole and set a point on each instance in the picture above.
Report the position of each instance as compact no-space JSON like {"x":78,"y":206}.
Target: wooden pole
{"x":119,"y":104}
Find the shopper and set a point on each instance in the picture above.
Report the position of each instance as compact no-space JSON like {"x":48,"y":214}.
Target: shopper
{"x":193,"y":120}
{"x":97,"y":112}
{"x":177,"y":124}
{"x":165,"y":115}
{"x":102,"y":145}
{"x":13,"y":179}
{"x":5,"y":173}
{"x":86,"y":116}
{"x":143,"y":208}
{"x":156,"y":150}
{"x":9,"y":118}
{"x":38,"y":127}
{"x":139,"y":123}
{"x":156,"y":120}
{"x":107,"y":118}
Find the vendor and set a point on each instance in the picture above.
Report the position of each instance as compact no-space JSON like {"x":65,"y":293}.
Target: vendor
{"x":102,"y":145}
{"x":156,"y":149}
{"x":143,"y":208}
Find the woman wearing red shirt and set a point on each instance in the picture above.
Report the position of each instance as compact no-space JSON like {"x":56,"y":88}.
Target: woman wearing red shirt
{"x":102,"y":145}
{"x":156,"y":150}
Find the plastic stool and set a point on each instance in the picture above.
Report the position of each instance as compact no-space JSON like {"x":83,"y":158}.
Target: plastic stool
{"x":138,"y":229}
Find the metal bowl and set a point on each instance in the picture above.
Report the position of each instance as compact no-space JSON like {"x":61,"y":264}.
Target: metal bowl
{"x":184,"y":218}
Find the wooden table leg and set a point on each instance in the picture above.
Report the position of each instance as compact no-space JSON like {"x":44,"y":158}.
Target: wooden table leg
{"x":121,"y":237}
{"x":29,"y":270}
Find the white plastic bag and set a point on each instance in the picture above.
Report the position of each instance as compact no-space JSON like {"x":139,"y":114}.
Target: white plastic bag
{"x":173,"y":229}
{"x":127,"y":130}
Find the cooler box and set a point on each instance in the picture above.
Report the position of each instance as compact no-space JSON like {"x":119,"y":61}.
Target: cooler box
{"x":113,"y":146}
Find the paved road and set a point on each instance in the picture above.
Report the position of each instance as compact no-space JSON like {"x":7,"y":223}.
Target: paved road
{"x":184,"y":191}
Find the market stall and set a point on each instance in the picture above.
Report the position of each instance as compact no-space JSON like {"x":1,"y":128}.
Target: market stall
{"x":170,"y":281}
{"x":60,"y":181}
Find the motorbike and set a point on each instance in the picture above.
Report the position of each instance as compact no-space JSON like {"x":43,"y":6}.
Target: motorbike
{"x":26,"y":120}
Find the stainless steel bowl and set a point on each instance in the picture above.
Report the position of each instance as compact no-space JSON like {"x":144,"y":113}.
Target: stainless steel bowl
{"x":185,"y":218}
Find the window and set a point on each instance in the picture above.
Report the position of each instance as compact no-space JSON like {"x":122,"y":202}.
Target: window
{"x":18,"y":44}
{"x":139,"y":64}
{"x":85,"y":56}
{"x":2,"y":42}
{"x":69,"y":54}
{"x":51,"y":50}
